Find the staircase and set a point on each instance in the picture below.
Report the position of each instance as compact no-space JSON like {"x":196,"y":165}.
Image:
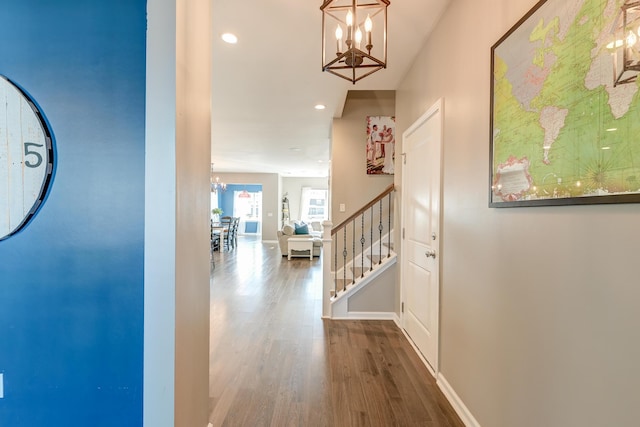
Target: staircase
{"x":356,"y":253}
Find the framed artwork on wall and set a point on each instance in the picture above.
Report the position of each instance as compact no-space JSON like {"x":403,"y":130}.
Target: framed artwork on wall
{"x":381,"y":142}
{"x":564,"y":112}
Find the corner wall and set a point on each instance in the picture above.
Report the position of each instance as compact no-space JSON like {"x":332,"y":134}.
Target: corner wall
{"x":376,"y":298}
{"x":539,"y":306}
{"x":350,"y":184}
{"x":193,"y":211}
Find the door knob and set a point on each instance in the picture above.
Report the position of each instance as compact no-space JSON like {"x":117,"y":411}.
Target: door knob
{"x":431,"y":253}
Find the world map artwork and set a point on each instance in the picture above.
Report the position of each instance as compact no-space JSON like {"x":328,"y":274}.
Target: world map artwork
{"x":561,"y":127}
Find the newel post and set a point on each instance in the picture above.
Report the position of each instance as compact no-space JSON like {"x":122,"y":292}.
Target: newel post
{"x":327,"y":278}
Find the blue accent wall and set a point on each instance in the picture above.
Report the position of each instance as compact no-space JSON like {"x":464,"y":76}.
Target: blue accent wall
{"x":71,"y":283}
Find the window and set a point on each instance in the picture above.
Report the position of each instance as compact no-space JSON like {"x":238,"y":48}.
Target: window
{"x":247,"y":205}
{"x":314,"y":205}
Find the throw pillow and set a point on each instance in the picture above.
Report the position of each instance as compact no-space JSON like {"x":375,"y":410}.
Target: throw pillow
{"x":302,"y":228}
{"x":288,"y":230}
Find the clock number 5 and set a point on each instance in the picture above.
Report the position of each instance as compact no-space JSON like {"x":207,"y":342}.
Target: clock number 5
{"x":27,"y":152}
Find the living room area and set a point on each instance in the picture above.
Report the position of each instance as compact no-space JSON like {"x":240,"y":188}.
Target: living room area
{"x":307,"y":202}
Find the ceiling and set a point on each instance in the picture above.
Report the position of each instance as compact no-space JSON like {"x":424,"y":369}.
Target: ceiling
{"x":265,"y":87}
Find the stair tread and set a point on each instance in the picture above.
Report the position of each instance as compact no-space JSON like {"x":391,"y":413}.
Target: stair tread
{"x":375,"y":258}
{"x":357,"y":271}
{"x":341,"y":284}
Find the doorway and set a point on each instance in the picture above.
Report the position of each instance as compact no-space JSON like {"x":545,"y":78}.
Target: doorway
{"x":420,"y":265}
{"x":245,"y":202}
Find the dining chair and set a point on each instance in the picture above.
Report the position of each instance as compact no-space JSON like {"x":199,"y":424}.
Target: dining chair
{"x":233,"y":233}
{"x":227,"y":223}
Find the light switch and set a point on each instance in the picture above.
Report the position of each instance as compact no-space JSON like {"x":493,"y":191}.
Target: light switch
{"x":343,"y":208}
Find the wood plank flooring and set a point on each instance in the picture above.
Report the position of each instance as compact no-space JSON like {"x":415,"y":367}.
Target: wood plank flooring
{"x":275,"y":362}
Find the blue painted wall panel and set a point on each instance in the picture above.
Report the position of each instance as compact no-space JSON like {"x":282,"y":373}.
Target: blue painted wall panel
{"x":71,"y":283}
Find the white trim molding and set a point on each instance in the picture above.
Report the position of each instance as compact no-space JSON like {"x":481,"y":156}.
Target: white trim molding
{"x":366,"y":315}
{"x":457,"y":403}
{"x":397,"y":320}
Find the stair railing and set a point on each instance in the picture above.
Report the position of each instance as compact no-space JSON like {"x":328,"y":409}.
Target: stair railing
{"x":350,"y":241}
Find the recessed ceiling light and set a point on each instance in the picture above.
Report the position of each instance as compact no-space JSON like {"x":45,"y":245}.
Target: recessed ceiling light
{"x":319,"y":107}
{"x":230,"y":38}
{"x":612,"y":129}
{"x":606,"y":148}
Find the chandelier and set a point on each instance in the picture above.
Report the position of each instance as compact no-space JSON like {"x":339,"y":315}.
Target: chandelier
{"x":626,"y":45}
{"x":354,"y":37}
{"x":217,"y":185}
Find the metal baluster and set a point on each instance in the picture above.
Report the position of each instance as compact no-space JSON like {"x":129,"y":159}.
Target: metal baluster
{"x":380,"y":228}
{"x":362,"y":240}
{"x":353,"y":254}
{"x":371,"y":241}
{"x":389,"y":236}
{"x":344,"y":260}
{"x":334,"y":239}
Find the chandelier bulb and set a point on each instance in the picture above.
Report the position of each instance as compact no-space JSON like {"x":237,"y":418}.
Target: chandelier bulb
{"x":349,"y":28}
{"x":631,"y":39}
{"x":368,"y":25}
{"x":358,"y":37}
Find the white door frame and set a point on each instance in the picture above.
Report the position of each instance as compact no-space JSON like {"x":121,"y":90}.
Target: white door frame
{"x":438,"y":106}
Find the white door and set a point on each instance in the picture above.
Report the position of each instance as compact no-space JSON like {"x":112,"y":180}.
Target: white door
{"x":422,"y":146}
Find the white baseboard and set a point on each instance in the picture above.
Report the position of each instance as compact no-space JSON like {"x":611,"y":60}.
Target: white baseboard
{"x":422,"y":358}
{"x":364,"y":315}
{"x":457,"y":403}
{"x":270,"y":241}
{"x":397,"y":321}
{"x":453,"y":398}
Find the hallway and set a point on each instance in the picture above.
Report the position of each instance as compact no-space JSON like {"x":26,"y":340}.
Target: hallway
{"x":275,"y":362}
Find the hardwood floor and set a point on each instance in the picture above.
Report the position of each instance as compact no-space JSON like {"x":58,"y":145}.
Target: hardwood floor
{"x":275,"y":362}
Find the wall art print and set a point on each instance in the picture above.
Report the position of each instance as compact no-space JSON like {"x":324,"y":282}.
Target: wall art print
{"x":381,"y":143}
{"x":561,"y":131}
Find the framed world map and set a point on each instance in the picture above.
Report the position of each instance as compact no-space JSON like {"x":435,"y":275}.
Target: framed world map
{"x":564,"y":128}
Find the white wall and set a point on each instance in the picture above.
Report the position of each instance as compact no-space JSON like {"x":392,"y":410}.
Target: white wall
{"x":539,"y":317}
{"x":293,"y":186}
{"x":160,"y":230}
{"x":178,"y":147}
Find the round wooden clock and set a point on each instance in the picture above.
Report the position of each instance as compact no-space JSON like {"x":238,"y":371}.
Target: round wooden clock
{"x":26,"y":158}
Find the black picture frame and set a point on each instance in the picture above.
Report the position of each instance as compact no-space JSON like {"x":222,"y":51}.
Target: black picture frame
{"x":549,"y":92}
